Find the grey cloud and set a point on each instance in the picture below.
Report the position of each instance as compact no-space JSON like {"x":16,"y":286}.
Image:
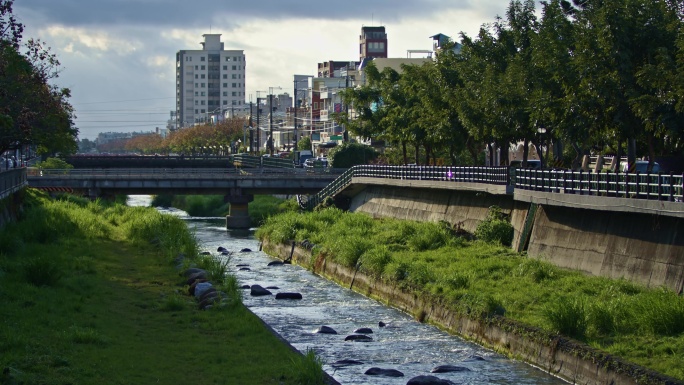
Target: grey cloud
{"x":198,"y":12}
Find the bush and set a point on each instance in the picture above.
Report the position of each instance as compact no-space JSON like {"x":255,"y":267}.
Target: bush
{"x":495,"y":228}
{"x":351,"y":154}
{"x":308,"y":370}
{"x":42,"y":271}
{"x":567,"y":317}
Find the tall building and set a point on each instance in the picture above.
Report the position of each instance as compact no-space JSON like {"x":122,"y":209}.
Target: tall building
{"x":209,"y":81}
{"x":372,"y":43}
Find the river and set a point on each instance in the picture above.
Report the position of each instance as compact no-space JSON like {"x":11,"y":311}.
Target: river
{"x":403,"y":344}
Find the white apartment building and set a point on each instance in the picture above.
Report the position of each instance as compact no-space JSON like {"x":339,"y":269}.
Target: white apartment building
{"x":209,"y":82}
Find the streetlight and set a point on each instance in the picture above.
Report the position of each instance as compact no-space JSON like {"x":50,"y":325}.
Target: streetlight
{"x":270,"y":124}
{"x":296,"y":105}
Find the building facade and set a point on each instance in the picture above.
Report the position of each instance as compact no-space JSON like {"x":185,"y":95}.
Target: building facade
{"x":372,"y":43}
{"x":209,"y":82}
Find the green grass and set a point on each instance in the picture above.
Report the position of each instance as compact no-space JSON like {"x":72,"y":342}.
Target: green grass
{"x":479,"y":278}
{"x":90,"y":295}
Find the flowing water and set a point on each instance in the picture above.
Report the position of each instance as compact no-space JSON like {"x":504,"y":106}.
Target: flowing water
{"x":403,"y":344}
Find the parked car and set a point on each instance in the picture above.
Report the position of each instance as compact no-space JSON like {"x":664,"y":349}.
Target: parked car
{"x":641,"y":167}
{"x":313,"y":163}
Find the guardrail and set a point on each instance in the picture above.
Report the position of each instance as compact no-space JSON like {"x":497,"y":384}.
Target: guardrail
{"x":12,"y":181}
{"x":245,"y":160}
{"x":666,"y":187}
{"x":488,"y":175}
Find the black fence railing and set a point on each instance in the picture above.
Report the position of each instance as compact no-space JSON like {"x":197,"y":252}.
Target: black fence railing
{"x":488,"y":175}
{"x":659,"y":186}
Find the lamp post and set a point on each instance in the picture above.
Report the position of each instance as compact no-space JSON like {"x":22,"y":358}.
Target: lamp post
{"x":296,"y":107}
{"x":270,"y":124}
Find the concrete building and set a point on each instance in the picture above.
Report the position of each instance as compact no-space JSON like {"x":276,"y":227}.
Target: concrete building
{"x":209,"y":81}
{"x":372,"y":43}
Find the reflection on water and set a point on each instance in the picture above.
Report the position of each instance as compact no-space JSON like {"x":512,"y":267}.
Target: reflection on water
{"x":404,"y":344}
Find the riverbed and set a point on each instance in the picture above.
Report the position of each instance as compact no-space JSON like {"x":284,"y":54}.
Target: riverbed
{"x":402,"y":344}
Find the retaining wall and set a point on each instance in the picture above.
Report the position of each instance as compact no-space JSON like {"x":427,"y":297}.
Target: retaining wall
{"x":644,"y":248}
{"x":568,"y":359}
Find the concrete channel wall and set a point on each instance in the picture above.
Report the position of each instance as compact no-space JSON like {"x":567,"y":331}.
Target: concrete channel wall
{"x":565,"y":358}
{"x":637,"y":246}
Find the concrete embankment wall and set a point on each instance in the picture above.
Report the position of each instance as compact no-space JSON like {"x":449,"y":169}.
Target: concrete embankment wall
{"x":644,"y":248}
{"x":562,"y":357}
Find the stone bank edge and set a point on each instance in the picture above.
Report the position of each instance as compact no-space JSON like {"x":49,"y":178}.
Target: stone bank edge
{"x":560,"y":356}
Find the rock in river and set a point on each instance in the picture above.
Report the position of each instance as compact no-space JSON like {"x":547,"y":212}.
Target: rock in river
{"x":257,"y":290}
{"x":325,"y":330}
{"x":449,"y":369}
{"x":288,"y":296}
{"x":428,"y":380}
{"x":384,"y":372}
{"x":358,"y":338}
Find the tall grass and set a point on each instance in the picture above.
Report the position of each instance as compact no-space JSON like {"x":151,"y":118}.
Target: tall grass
{"x":308,"y":370}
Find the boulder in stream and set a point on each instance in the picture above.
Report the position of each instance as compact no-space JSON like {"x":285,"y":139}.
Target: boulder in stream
{"x":364,"y":331}
{"x":384,"y":372}
{"x":289,"y":296}
{"x":428,"y":380}
{"x":449,"y":369}
{"x":358,"y":338}
{"x":325,"y":330}
{"x":257,"y":291}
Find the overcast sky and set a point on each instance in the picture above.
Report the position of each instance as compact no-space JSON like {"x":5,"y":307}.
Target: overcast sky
{"x":118,"y":56}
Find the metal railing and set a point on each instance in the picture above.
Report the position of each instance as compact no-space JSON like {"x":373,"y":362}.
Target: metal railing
{"x":12,"y":181}
{"x":488,"y":175}
{"x":665,"y":187}
{"x":246,"y":160}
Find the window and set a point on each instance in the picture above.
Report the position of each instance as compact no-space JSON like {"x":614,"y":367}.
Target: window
{"x":225,"y":76}
{"x":225,"y":68}
{"x":196,"y":102}
{"x":225,"y":102}
{"x":227,"y":58}
{"x":202,"y":102}
{"x":315,"y":105}
{"x":203,"y":93}
{"x":203,"y":111}
{"x":196,"y":84}
{"x":203,"y":84}
{"x":203,"y":68}
{"x":196,"y":93}
{"x":225,"y":85}
{"x":234,"y":102}
{"x":234,"y":85}
{"x":197,"y":111}
{"x":225,"y":93}
{"x":234,"y":76}
{"x":234,"y":68}
{"x":195,"y":76}
{"x":203,"y":76}
{"x":234,"y":93}
{"x":196,"y":68}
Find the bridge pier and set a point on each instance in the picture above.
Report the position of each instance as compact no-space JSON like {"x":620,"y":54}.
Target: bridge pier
{"x":239,"y":214}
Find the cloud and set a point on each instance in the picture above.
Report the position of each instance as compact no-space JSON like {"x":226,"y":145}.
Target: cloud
{"x":86,"y":41}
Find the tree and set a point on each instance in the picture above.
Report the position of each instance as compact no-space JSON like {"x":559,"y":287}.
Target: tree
{"x":304,"y":143}
{"x":34,"y":112}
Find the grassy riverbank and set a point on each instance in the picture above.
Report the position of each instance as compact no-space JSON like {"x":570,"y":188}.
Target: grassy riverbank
{"x":644,"y":326}
{"x":90,"y":294}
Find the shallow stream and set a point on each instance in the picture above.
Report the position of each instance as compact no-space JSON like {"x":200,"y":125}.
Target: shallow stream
{"x":403,"y":344}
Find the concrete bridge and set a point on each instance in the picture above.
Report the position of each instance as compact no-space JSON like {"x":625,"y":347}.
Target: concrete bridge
{"x":238,"y":186}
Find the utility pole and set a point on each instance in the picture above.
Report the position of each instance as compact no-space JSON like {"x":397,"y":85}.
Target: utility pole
{"x":251,"y":130}
{"x":258,"y":126}
{"x":296,"y":105}
{"x":270,"y":124}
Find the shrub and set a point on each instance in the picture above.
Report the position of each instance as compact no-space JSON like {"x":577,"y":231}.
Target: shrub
{"x":495,"y":228}
{"x":308,"y":370}
{"x":660,"y":312}
{"x":375,"y":260}
{"x":42,"y":271}
{"x":567,"y":317}
{"x":351,"y":154}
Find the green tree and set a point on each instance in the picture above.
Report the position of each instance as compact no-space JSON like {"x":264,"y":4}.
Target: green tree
{"x":304,"y":143}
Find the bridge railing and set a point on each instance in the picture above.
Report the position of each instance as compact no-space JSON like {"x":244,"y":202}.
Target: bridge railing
{"x":246,"y":160}
{"x":655,"y":186}
{"x":12,"y":181}
{"x":488,"y":175}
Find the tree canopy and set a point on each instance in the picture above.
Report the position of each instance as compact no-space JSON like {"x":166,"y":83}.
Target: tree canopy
{"x":32,"y":111}
{"x":597,"y":75}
